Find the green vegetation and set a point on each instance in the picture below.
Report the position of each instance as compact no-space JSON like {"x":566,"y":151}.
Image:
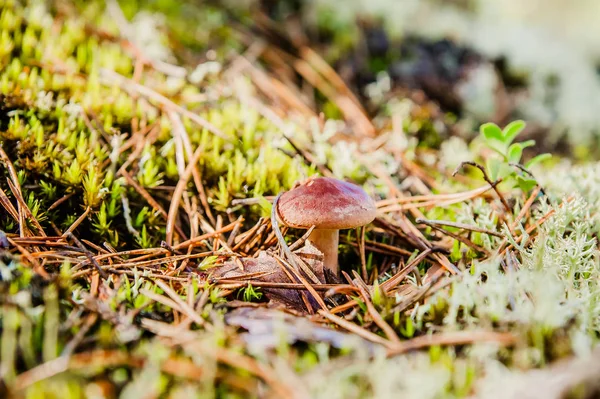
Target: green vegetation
{"x":134,"y":168}
{"x":501,"y":141}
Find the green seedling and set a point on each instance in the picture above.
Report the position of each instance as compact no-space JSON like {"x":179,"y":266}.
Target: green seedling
{"x":250,"y":293}
{"x":506,"y":165}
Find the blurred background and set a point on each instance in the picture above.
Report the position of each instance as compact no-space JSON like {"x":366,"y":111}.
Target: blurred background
{"x":480,"y":60}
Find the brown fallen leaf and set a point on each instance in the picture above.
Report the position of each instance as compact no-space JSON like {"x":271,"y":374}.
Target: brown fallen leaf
{"x":271,"y":271}
{"x":310,"y":255}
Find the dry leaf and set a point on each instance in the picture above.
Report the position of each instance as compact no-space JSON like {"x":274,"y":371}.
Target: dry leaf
{"x":274,"y":274}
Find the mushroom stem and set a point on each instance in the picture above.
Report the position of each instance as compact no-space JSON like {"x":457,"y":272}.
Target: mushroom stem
{"x":326,"y":241}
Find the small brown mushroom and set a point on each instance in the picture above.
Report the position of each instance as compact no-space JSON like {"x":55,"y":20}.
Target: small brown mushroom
{"x":329,"y":205}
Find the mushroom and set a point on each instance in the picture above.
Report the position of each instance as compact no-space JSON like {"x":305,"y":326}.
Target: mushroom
{"x":329,"y":205}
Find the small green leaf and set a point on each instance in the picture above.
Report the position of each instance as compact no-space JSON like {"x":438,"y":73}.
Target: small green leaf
{"x":537,"y":159}
{"x":493,"y":168}
{"x":515,"y":151}
{"x":497,"y":169}
{"x":377,"y":296}
{"x":512,"y":130}
{"x":492,"y":135}
{"x":491,"y":131}
{"x":208,"y":262}
{"x":528,"y":143}
{"x":264,"y":204}
{"x":505,"y":171}
{"x":526,"y":183}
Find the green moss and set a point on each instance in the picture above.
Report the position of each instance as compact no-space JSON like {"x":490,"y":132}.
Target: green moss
{"x":64,"y":127}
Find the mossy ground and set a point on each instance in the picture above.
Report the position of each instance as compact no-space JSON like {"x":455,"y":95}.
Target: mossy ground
{"x":118,"y":148}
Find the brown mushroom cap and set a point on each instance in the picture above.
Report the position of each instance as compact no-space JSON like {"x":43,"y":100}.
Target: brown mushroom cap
{"x":327,"y":204}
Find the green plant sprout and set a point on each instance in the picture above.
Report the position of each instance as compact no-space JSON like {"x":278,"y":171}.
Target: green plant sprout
{"x":250,"y":293}
{"x":508,"y":165}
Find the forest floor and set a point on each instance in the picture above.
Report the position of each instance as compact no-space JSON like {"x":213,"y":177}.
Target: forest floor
{"x":142,"y":147}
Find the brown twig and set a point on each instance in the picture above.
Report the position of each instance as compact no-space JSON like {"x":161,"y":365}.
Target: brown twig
{"x":88,"y":254}
{"x":361,"y":332}
{"x":8,"y":206}
{"x":300,"y":241}
{"x":151,"y":201}
{"x":78,"y":221}
{"x":289,"y":286}
{"x":457,"y":225}
{"x":487,"y":179}
{"x":179,"y":189}
{"x":393,"y":281}
{"x":361,"y":249}
{"x":526,"y":207}
{"x":462,"y":239}
{"x":434,"y":198}
{"x":385,"y":327}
